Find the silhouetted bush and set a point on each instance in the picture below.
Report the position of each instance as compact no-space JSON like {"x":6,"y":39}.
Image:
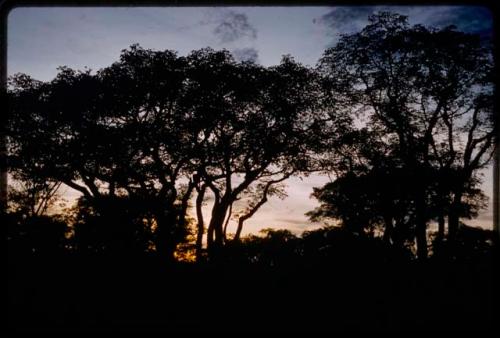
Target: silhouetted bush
{"x":36,"y":234}
{"x":117,"y":225}
{"x":472,"y":244}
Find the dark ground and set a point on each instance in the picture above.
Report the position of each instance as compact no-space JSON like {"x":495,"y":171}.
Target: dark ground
{"x":75,"y":294}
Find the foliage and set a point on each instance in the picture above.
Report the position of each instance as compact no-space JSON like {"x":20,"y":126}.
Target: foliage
{"x":425,"y":95}
{"x":400,"y":114}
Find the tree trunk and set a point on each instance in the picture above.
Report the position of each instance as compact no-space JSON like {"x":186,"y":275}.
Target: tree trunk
{"x":421,"y":226}
{"x":3,"y":171}
{"x":496,"y":186}
{"x":239,"y":229}
{"x":454,"y":216}
{"x":228,"y":218}
{"x":165,"y":243}
{"x":219,"y":227}
{"x":184,"y":206}
{"x":200,"y":225}
{"x":216,"y":226}
{"x":389,"y":230}
{"x":256,"y":207}
{"x":215,"y":239}
{"x":440,"y":234}
{"x":210,"y":236}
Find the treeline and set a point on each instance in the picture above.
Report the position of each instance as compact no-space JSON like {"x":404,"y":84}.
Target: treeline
{"x":400,"y":115}
{"x":326,"y":280}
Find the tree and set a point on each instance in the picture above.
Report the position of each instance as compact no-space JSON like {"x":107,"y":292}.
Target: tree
{"x":146,"y":103}
{"x":258,"y":129}
{"x":116,"y":225}
{"x":368,"y":192}
{"x":464,"y":156}
{"x":115,"y":133}
{"x":155,"y":127}
{"x":33,"y":198}
{"x":409,"y":81}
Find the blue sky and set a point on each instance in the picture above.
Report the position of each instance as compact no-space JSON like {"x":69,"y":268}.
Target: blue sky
{"x":41,"y":39}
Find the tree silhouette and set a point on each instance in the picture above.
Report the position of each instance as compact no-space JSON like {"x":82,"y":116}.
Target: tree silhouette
{"x":258,"y":129}
{"x":155,"y":127}
{"x":409,"y":81}
{"x":33,"y":197}
{"x":368,"y":193}
{"x":116,"y":226}
{"x":114,"y":133}
{"x":399,"y":116}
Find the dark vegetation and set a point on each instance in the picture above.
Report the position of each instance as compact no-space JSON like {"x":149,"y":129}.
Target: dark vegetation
{"x":401,"y":116}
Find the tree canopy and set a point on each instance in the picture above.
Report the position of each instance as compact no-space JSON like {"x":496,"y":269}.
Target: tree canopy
{"x":155,"y":126}
{"x":426,"y":95}
{"x":401,"y":115}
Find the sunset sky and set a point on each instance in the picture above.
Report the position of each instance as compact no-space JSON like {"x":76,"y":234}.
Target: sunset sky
{"x":41,"y":39}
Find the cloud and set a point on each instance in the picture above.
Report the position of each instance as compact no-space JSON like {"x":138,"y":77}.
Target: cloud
{"x":345,"y":19}
{"x":246,"y":54}
{"x":471,"y":19}
{"x":234,"y":26}
{"x":293,"y":221}
{"x":299,"y":228}
{"x":229,"y":26}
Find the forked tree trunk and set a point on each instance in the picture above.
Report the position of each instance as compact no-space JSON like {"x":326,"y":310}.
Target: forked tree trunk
{"x":215,"y":240}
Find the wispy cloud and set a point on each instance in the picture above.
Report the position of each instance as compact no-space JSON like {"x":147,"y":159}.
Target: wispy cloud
{"x":229,"y":26}
{"x":234,"y":26}
{"x":346,"y":19}
{"x":233,"y":30}
{"x":292,"y":221}
{"x":477,"y":20}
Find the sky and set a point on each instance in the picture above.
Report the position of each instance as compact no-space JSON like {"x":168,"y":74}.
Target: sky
{"x":42,"y":39}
